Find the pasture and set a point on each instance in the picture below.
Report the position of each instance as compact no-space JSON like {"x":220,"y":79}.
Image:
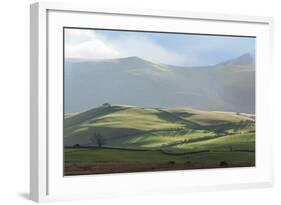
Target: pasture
{"x":118,"y":139}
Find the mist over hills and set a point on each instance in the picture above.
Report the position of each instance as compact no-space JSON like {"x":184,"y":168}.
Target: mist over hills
{"x":228,"y":86}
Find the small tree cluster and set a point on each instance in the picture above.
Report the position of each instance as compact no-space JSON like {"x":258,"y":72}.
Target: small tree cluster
{"x":223,"y":164}
{"x":106,"y":105}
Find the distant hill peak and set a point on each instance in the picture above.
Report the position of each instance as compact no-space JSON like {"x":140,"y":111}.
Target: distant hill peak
{"x":133,"y":59}
{"x":247,"y":58}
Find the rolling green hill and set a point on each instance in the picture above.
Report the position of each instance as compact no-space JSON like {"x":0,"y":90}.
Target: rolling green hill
{"x":137,"y":127}
{"x":117,"y":124}
{"x":122,"y":138}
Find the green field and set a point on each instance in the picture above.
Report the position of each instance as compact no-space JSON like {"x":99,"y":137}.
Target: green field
{"x":120,"y":138}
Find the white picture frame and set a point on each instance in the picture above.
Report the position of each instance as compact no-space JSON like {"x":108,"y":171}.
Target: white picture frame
{"x":47,"y":182}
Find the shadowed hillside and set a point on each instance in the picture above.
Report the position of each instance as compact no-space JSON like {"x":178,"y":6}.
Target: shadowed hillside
{"x":229,"y":86}
{"x":130,"y":126}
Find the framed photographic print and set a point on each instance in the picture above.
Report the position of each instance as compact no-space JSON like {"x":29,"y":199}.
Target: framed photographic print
{"x":154,"y":101}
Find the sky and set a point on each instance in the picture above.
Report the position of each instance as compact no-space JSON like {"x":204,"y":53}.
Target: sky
{"x":163,"y":48}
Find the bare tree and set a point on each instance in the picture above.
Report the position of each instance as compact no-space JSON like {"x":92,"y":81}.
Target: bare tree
{"x":97,"y":139}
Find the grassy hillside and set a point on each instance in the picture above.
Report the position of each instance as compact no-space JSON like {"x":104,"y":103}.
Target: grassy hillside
{"x":206,"y":118}
{"x":129,"y":126}
{"x":117,"y":123}
{"x":122,"y":138}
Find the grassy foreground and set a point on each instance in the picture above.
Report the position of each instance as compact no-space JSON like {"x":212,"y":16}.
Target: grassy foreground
{"x":104,"y":160}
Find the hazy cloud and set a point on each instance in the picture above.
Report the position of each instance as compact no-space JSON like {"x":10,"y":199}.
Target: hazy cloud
{"x":173,"y":49}
{"x":87,"y":44}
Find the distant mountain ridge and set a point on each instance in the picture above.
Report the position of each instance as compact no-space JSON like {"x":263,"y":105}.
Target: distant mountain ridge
{"x":229,"y":86}
{"x":245,"y":59}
